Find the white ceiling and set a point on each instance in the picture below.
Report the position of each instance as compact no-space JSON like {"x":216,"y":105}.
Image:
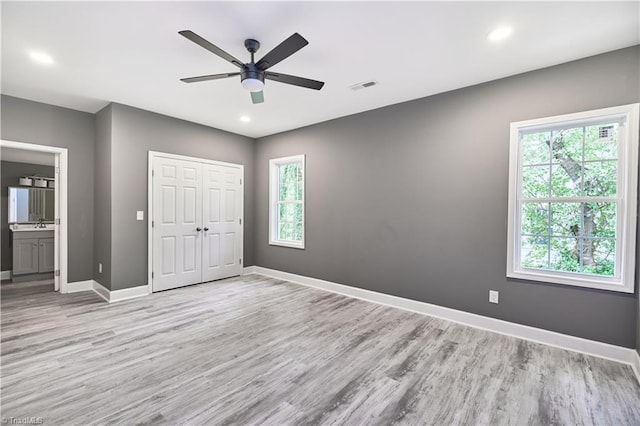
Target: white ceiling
{"x":131,"y":53}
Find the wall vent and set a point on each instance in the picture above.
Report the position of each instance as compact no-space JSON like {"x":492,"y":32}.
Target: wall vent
{"x":365,"y":85}
{"x":605,"y":132}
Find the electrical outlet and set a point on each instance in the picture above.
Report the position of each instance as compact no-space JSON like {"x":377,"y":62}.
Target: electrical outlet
{"x":100,"y":268}
{"x":493,"y":296}
{"x":139,"y":215}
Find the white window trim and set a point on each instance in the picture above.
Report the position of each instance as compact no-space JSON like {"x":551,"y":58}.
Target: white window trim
{"x":273,"y":198}
{"x":627,"y":194}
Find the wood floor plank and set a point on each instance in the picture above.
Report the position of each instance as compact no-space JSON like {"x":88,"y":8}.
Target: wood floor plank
{"x":254,"y":350}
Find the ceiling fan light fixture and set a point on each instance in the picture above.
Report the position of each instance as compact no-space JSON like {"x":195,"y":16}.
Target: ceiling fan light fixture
{"x":253,"y":84}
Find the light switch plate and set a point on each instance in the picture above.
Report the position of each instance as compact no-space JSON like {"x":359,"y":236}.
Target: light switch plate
{"x":493,"y":296}
{"x":140,"y":215}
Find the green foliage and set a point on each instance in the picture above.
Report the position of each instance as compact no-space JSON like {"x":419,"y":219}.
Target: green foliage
{"x":565,"y":235}
{"x":291,"y":187}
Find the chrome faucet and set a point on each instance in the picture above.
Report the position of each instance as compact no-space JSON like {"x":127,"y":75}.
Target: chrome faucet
{"x":40,"y":224}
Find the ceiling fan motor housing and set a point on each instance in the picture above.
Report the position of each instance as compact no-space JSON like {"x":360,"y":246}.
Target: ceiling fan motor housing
{"x":251,"y":71}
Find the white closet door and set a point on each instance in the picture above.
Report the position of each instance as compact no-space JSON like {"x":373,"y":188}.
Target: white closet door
{"x":177,"y":215}
{"x":222,"y":213}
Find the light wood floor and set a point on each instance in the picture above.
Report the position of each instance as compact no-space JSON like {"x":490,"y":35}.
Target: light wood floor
{"x":253,"y":350}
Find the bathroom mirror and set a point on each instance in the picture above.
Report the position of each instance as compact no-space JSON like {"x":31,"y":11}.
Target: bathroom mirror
{"x":31,"y":204}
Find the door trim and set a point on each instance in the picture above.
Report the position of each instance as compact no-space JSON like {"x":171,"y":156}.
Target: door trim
{"x":61,"y":207}
{"x":157,"y":154}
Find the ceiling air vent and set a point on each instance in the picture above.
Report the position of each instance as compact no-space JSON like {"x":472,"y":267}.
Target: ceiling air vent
{"x":363,"y":85}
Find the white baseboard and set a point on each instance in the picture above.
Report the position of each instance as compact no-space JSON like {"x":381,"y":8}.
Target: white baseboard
{"x":249,"y":270}
{"x":80,"y":286}
{"x":538,"y":335}
{"x":105,"y":293}
{"x":101,"y":291}
{"x":636,"y":365}
{"x":5,"y":275}
{"x":119,"y":295}
{"x":128,"y":293}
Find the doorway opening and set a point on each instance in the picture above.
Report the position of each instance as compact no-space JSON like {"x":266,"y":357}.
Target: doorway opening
{"x":58,"y":228}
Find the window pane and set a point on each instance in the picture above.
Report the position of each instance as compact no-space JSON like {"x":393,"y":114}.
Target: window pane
{"x":297,"y":232}
{"x":534,"y":252}
{"x":564,"y":254}
{"x":535,"y":148}
{"x":290,"y":176}
{"x":287,"y":212}
{"x":566,"y":180}
{"x":601,"y":142}
{"x":565,"y":219}
{"x":600,"y":219}
{"x":535,"y":181}
{"x":297,"y":209}
{"x":566,"y":145}
{"x":600,"y":178}
{"x":299,"y":189}
{"x":290,"y":221}
{"x":599,"y":257}
{"x":285,"y":231}
{"x":535,"y":218}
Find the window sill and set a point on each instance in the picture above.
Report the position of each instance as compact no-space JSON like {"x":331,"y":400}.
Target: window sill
{"x":288,"y":244}
{"x":600,"y":283}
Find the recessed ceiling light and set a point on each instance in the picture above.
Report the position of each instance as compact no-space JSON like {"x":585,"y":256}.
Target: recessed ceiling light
{"x":245,"y":118}
{"x":500,"y":33}
{"x":41,"y":57}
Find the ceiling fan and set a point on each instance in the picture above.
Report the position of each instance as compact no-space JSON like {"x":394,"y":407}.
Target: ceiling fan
{"x":253,"y":74}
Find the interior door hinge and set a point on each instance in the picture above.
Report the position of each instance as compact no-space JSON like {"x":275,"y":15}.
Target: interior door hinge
{"x":240,"y":261}
{"x":240,"y":221}
{"x":57,"y":170}
{"x":153,"y":173}
{"x":152,"y":275}
{"x":57,"y":221}
{"x":240,"y":181}
{"x":57,"y":272}
{"x":153,"y":223}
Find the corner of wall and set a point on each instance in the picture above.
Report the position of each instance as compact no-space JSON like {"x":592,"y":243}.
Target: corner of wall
{"x":102,"y":198}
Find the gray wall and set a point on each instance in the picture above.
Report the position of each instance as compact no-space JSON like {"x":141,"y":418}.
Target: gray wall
{"x":134,"y":133}
{"x":38,"y":123}
{"x":10,"y":174}
{"x":411,"y":199}
{"x":102,"y":198}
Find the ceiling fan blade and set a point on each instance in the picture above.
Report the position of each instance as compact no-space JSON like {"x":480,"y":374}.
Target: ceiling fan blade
{"x":209,"y":77}
{"x":210,"y":47}
{"x":282,"y":51}
{"x":296,"y":81}
{"x":257,"y":97}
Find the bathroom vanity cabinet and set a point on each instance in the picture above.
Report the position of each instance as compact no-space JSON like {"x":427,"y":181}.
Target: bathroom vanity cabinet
{"x":33,"y":254}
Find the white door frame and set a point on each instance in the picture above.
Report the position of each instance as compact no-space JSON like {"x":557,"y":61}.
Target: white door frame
{"x":157,"y":154}
{"x":61,"y":206}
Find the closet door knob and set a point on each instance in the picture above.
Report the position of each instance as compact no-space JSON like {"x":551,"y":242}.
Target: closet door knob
{"x":206,"y":229}
{"x":198,"y":229}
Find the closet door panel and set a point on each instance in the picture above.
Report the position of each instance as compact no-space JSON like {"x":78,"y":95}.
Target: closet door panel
{"x":177,"y":209}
